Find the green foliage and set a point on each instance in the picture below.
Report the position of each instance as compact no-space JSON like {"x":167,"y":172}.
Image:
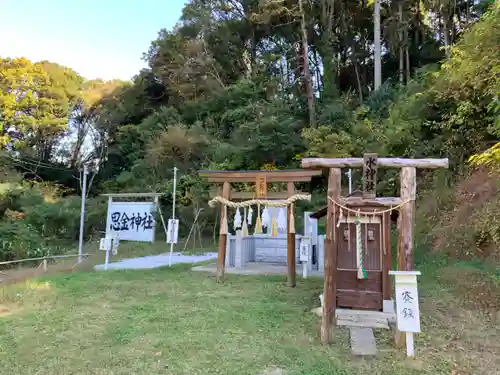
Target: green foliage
{"x":60,"y":220}
{"x":227,"y":89}
{"x":19,"y":240}
{"x":489,"y":158}
{"x":35,"y":98}
{"x":38,"y":221}
{"x":487,"y":231}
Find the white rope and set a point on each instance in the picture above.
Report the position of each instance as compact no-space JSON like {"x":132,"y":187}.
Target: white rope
{"x":253,"y":202}
{"x":378,"y":212}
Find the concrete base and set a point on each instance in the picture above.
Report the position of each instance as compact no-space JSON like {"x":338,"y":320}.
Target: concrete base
{"x":257,"y":268}
{"x":363,"y":341}
{"x":155,"y":261}
{"x":390,"y":308}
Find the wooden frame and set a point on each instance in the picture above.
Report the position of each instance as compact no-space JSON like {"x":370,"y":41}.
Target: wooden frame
{"x":406,"y":220}
{"x":260,"y":179}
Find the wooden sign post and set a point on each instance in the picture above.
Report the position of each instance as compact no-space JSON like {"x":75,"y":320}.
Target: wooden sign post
{"x":305,"y":250}
{"x":407,"y":308}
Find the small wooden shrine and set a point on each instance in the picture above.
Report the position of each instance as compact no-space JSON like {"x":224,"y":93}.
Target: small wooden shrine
{"x":357,"y":248}
{"x":364,"y":254}
{"x":259,"y":198}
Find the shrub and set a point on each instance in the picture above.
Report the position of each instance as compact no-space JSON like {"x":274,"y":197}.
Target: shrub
{"x":37,"y":221}
{"x":19,"y":240}
{"x":60,"y":220}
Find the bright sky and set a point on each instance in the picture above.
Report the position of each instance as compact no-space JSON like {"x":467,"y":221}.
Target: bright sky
{"x":97,"y":38}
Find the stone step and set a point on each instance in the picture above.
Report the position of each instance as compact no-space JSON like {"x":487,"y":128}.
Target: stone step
{"x":363,"y":341}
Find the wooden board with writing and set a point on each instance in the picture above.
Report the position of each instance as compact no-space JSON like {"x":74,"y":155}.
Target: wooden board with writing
{"x":261,"y":186}
{"x":370,"y":163}
{"x":408,"y":312}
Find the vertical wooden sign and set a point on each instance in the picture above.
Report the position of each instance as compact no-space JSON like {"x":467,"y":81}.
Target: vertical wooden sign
{"x":370,"y":163}
{"x":261,"y":186}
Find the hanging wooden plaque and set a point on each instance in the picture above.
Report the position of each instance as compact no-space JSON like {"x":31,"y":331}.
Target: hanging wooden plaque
{"x":261,"y":186}
{"x":370,"y":163}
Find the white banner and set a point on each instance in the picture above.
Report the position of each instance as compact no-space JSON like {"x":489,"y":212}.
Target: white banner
{"x":131,"y":221}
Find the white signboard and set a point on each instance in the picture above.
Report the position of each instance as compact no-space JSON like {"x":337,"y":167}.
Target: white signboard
{"x":407,"y":308}
{"x":173,"y":231}
{"x":305,"y":246}
{"x":408,"y":313}
{"x":105,"y":244}
{"x":311,"y":228}
{"x":131,"y":221}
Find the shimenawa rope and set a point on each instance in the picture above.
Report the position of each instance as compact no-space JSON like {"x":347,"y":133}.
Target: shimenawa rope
{"x":266,"y":202}
{"x":378,"y":212}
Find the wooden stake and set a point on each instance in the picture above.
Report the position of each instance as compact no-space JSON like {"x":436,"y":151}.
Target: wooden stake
{"x":330,"y":285}
{"x":221,"y":259}
{"x":292,"y":267}
{"x":405,"y":234}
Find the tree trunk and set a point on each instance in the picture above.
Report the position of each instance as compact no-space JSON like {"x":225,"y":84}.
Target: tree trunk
{"x":305,"y":59}
{"x":446,"y":34}
{"x":401,"y":47}
{"x":253,"y":51}
{"x":407,"y":51}
{"x":417,"y":23}
{"x":377,"y":46}
{"x":327,"y":50}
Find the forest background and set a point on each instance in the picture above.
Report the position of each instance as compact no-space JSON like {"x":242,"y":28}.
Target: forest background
{"x":251,"y":85}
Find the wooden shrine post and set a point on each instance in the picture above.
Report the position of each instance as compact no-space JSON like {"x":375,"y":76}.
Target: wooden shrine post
{"x":408,"y":192}
{"x":260,"y":179}
{"x":221,"y":256}
{"x":369,"y":163}
{"x":330,"y":283}
{"x":291,"y":262}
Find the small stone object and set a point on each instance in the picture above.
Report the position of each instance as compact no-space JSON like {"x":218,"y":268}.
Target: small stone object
{"x":274,"y":371}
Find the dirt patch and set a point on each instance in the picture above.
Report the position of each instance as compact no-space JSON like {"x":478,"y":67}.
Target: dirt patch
{"x":20,"y":275}
{"x":463,"y":231}
{"x":477,"y":291}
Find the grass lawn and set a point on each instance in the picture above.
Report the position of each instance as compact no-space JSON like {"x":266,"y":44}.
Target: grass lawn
{"x":174,"y":321}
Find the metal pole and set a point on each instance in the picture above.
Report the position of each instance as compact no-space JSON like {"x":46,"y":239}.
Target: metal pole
{"x":107,"y":260}
{"x":349,"y":176}
{"x":82,"y":213}
{"x":173,"y":215}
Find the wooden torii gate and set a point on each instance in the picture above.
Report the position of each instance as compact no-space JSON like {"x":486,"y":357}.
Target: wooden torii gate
{"x":369,"y":163}
{"x":261,"y":179}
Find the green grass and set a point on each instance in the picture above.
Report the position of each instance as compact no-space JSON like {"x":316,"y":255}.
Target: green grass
{"x":174,"y":321}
